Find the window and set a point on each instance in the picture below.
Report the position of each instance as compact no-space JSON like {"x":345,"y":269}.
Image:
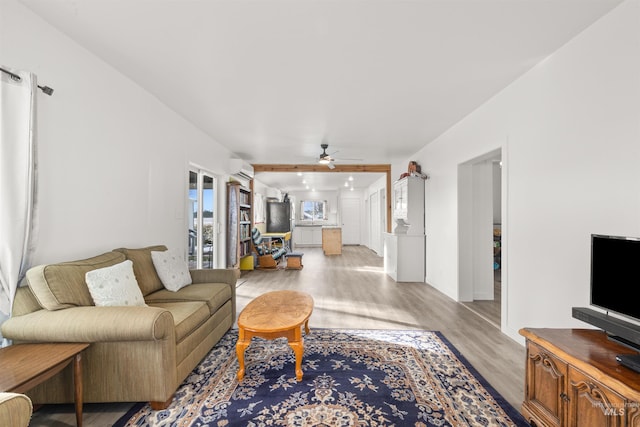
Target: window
{"x":313,"y":210}
{"x":202,"y":219}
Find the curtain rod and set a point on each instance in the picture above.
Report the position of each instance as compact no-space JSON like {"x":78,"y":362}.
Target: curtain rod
{"x":45,"y":89}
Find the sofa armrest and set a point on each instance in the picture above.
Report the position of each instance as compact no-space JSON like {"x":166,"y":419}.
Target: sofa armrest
{"x":92,"y":324}
{"x":15,"y":409}
{"x":216,"y":275}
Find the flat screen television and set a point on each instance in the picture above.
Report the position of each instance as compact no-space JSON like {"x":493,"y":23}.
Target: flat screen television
{"x":615,"y":274}
{"x":615,"y":278}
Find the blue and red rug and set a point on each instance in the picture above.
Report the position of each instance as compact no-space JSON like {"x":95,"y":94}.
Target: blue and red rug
{"x":351,"y":378}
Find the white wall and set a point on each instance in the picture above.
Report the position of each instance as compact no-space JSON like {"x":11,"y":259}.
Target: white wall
{"x":376,"y":219}
{"x":497,"y":193}
{"x":570,"y":138}
{"x":112,"y":159}
{"x":475,"y":230}
{"x":261,"y":188}
{"x":482,"y":231}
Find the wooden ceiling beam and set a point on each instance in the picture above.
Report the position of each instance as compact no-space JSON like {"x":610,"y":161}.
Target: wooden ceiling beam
{"x":321,"y":168}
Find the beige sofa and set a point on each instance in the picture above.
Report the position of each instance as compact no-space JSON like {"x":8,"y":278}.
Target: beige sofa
{"x":15,"y":410}
{"x":136,"y":354}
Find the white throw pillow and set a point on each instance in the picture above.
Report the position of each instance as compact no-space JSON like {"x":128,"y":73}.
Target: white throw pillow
{"x":171,"y":268}
{"x":114,"y":286}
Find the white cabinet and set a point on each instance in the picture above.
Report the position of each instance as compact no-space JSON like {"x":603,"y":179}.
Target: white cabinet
{"x":404,"y":252}
{"x":404,"y":256}
{"x":408,"y":203}
{"x":316,"y":236}
{"x":307,"y":236}
{"x":296,"y":236}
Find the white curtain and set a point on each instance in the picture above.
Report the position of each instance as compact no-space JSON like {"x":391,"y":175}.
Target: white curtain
{"x":17,"y":182}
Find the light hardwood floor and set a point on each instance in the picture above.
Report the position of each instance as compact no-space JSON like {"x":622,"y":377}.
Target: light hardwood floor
{"x":490,"y":310}
{"x":352,"y":291}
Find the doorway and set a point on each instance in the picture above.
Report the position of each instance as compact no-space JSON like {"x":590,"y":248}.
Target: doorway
{"x":202,"y":217}
{"x":350,"y":216}
{"x":480,"y":229}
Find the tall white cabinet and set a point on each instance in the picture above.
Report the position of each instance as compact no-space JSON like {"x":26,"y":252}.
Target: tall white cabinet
{"x":404,"y":247}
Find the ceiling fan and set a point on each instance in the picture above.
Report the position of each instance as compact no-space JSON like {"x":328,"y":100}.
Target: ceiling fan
{"x":327,"y":159}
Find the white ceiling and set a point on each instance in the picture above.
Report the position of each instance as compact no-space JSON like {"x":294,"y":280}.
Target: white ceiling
{"x":272,"y":79}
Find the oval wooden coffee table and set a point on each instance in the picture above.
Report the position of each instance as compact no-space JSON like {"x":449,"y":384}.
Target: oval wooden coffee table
{"x":274,"y":315}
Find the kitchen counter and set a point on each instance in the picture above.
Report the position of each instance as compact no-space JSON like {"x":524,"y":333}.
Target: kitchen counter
{"x":312,"y":235}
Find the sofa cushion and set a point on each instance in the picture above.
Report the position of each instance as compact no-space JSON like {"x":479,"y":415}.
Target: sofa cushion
{"x":187,"y":316}
{"x":143,"y":267}
{"x":214,"y":294}
{"x":114,"y":286}
{"x":63,"y":285}
{"x":172,"y":269}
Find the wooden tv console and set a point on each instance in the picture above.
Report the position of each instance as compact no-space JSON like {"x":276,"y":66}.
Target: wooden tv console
{"x":573,"y":379}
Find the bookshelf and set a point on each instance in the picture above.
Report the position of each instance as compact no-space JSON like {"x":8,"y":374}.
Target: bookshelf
{"x":239,"y":219}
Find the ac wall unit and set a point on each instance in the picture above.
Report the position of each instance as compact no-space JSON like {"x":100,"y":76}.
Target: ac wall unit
{"x":240,"y":168}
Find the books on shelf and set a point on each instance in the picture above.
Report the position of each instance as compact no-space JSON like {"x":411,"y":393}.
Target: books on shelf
{"x":239,"y":218}
{"x":245,"y":231}
{"x":245,"y":249}
{"x":245,"y":198}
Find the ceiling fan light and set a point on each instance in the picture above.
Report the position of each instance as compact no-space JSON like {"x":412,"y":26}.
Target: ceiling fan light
{"x":324,"y":161}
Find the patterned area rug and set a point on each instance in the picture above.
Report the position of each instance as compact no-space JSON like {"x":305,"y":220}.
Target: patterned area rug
{"x":351,"y":378}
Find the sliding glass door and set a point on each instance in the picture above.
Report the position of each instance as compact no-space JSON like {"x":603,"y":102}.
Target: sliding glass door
{"x":202,"y":219}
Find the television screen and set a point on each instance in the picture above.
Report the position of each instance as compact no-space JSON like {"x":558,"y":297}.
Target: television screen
{"x":615,"y":274}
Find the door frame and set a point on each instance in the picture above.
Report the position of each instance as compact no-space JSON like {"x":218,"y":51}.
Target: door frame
{"x":467,"y":229}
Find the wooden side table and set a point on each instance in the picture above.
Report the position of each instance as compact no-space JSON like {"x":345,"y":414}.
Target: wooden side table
{"x":273,"y":315}
{"x":26,"y":365}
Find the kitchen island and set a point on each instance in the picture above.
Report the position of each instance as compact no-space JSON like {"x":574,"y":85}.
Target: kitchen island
{"x":332,"y":240}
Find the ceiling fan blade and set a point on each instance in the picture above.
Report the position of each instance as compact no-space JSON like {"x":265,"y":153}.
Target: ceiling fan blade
{"x":331,"y":165}
{"x":349,"y":160}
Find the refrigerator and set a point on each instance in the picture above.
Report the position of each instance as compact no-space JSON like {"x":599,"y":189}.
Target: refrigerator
{"x":278,"y":217}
